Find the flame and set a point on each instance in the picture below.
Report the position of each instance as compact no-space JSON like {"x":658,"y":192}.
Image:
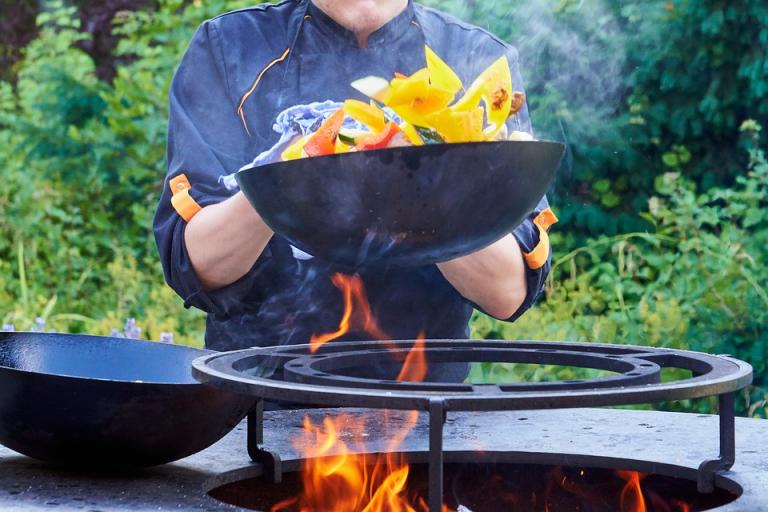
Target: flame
{"x":357,"y":313}
{"x":337,"y":478}
{"x":415,"y":365}
{"x":632,"y":499}
{"x":337,"y":474}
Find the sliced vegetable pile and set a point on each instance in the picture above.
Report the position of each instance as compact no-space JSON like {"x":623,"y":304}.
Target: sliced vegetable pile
{"x":419,"y":109}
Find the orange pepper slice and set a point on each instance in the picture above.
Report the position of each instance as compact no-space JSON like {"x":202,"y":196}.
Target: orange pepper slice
{"x":323,"y":142}
{"x":378,"y":140}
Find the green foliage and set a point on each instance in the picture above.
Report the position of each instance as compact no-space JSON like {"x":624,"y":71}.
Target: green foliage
{"x":83,"y":163}
{"x":698,"y":281}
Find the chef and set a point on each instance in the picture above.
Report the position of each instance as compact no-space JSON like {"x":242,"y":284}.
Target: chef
{"x":241,"y":70}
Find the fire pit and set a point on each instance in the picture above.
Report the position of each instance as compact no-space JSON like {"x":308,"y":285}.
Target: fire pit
{"x":646,"y":441}
{"x":296,"y":374}
{"x":497,"y":486}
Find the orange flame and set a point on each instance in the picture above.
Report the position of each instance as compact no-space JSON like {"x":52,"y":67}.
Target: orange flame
{"x":357,"y":313}
{"x":337,"y":474}
{"x":415,"y":365}
{"x":632,"y":499}
{"x":336,"y":478}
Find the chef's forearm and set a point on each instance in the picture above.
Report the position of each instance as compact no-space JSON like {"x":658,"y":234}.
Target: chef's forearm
{"x":493,"y":277}
{"x":225,"y":240}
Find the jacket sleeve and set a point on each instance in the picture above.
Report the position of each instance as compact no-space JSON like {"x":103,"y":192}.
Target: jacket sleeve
{"x":205,"y":141}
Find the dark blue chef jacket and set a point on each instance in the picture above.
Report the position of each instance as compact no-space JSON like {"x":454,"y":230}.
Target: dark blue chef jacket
{"x":284,"y":299}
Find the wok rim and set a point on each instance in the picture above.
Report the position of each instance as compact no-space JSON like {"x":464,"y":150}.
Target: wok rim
{"x":85,"y":380}
{"x":374,"y":152}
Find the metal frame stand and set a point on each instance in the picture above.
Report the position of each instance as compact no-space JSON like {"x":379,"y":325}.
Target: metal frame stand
{"x":437,"y":417}
{"x":270,"y":461}
{"x":709,"y":468}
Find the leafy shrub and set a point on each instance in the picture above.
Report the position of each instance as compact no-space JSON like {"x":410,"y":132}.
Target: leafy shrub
{"x":83,"y":163}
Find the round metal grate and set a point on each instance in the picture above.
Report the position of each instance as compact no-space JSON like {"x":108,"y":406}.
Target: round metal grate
{"x":293,"y":374}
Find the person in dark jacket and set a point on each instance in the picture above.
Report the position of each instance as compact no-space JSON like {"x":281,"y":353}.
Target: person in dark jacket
{"x":241,"y":70}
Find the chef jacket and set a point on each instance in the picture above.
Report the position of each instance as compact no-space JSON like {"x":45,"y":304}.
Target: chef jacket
{"x":239,"y":72}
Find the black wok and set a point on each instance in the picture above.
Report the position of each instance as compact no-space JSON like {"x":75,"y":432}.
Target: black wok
{"x":402,"y":206}
{"x":88,"y":400}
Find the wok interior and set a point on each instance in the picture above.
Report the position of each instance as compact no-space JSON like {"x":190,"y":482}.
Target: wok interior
{"x":96,"y":357}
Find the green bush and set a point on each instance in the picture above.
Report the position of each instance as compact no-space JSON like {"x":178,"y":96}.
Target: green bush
{"x":83,"y":163}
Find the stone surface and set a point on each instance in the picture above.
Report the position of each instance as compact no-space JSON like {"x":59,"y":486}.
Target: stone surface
{"x":648,"y":437}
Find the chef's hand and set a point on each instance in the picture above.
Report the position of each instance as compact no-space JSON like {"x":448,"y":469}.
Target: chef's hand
{"x":493,"y":277}
{"x":224,"y":241}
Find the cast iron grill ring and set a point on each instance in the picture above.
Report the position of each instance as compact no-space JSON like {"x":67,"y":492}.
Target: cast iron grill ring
{"x":300,"y":376}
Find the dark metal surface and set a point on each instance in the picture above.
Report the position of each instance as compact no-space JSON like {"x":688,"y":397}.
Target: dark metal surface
{"x":269,"y":461}
{"x":88,"y":400}
{"x":403,"y":206}
{"x":292,"y":374}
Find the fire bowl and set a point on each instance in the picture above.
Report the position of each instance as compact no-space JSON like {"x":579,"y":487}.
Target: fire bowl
{"x":402,"y":206}
{"x":108,"y":402}
{"x":476,"y":485}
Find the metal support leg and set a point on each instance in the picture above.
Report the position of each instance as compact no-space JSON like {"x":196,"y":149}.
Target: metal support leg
{"x":724,"y":462}
{"x":437,"y":416}
{"x":270,"y":461}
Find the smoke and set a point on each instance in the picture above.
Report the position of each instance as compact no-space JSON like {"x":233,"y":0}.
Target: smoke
{"x":572,"y":58}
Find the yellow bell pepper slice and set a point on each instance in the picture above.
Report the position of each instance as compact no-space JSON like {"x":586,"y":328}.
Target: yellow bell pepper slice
{"x":458,"y":126}
{"x":340,"y":147}
{"x":494,"y":87}
{"x":440,"y":74}
{"x":412,"y":135}
{"x":369,"y":115}
{"x":295,"y":150}
{"x":413,"y":99}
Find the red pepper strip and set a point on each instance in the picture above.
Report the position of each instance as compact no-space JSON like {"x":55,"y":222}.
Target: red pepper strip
{"x":378,"y":140}
{"x":323,"y":142}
